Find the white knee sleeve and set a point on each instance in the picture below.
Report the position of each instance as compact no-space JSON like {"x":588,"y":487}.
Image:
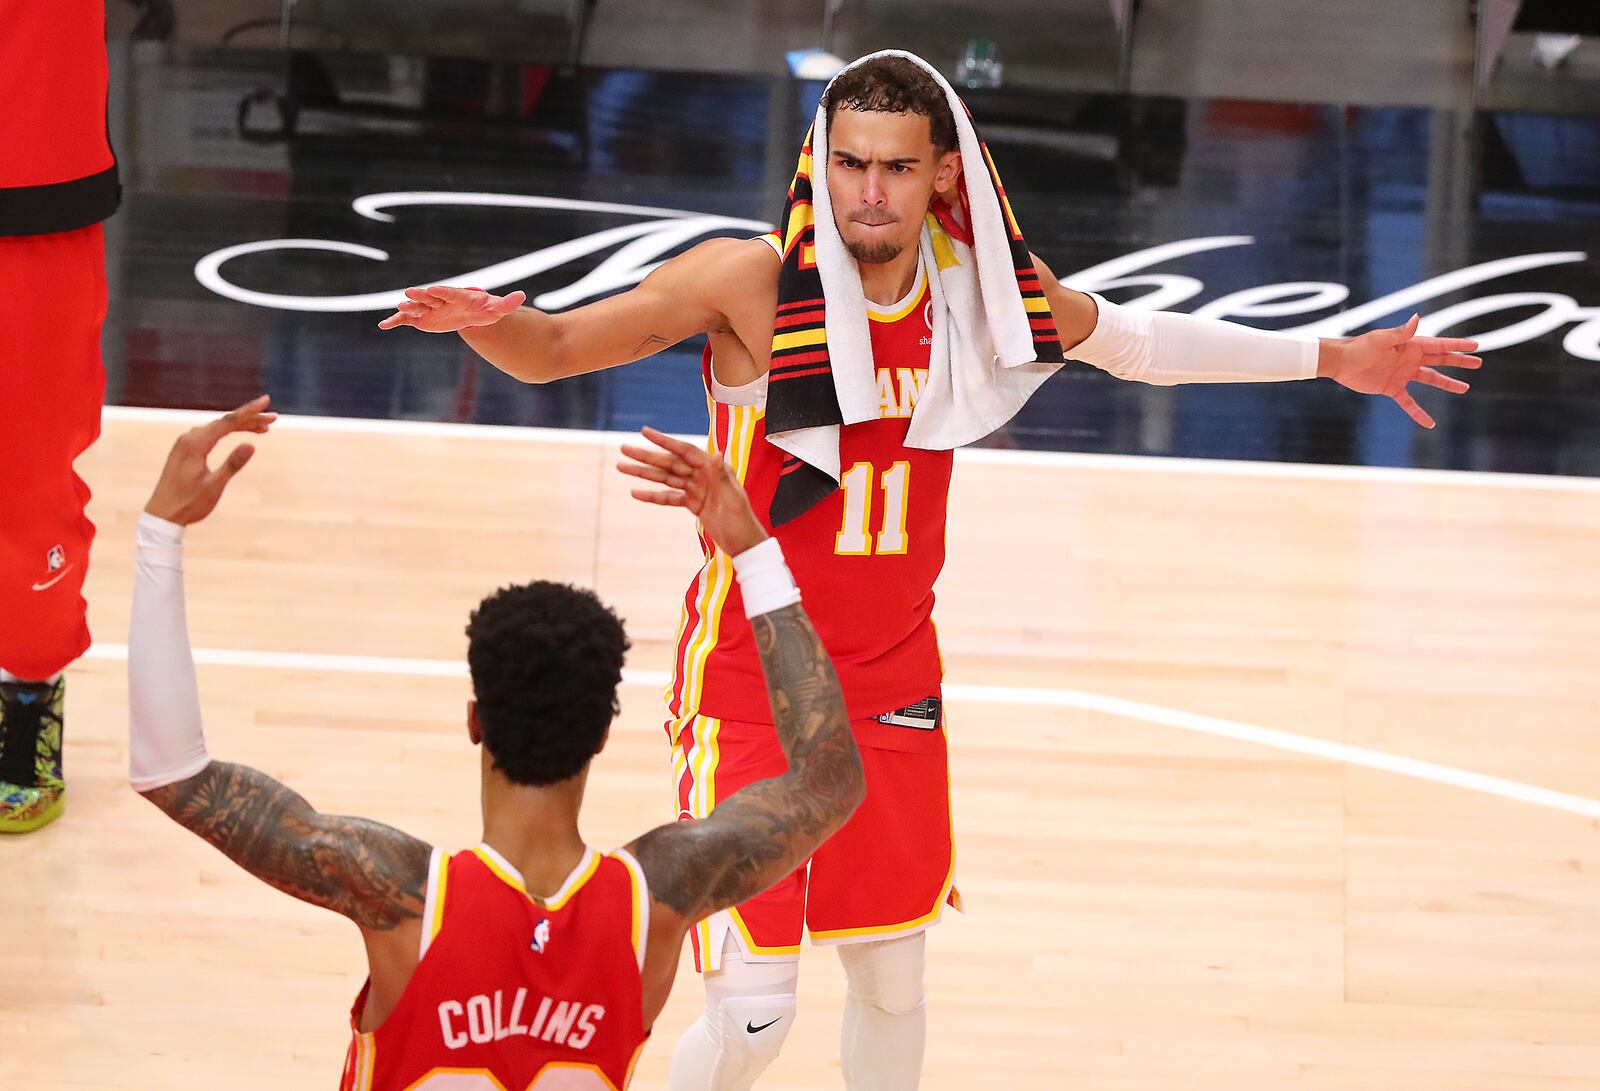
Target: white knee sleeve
{"x":750,"y":1007}
{"x":887,"y":975}
{"x":885,"y":1017}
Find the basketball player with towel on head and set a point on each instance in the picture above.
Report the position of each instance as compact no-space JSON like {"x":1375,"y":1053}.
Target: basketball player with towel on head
{"x":530,"y":962}
{"x":895,"y":315}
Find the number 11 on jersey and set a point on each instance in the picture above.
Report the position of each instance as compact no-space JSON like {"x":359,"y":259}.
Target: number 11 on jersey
{"x":854,"y":539}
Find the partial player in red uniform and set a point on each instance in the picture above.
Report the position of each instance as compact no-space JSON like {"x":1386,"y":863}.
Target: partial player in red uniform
{"x":58,"y":181}
{"x":529,"y":962}
{"x":926,"y":242}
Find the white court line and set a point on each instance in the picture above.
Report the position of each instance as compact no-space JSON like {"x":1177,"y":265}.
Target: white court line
{"x":977,"y":455}
{"x":1002,"y":695}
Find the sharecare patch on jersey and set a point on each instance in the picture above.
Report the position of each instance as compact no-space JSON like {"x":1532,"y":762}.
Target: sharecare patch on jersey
{"x":487,"y":1017}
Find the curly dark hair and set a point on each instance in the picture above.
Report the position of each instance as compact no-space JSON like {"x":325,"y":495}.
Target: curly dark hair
{"x":546,"y":660}
{"x":895,"y":85}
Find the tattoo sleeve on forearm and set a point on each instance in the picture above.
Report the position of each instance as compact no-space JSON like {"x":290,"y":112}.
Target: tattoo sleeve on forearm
{"x":762,"y":833}
{"x":372,"y":873}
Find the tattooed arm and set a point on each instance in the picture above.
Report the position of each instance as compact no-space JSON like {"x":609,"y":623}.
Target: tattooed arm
{"x":363,"y":870}
{"x":370,"y":873}
{"x":758,"y":835}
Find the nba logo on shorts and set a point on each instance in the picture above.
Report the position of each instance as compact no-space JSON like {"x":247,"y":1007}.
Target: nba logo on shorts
{"x":55,"y":559}
{"x":541,"y":936}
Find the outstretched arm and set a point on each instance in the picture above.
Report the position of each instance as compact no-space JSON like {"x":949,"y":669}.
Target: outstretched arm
{"x":364,"y":870}
{"x":760,"y":834}
{"x":360,"y":869}
{"x":1166,"y":349}
{"x":689,"y":294}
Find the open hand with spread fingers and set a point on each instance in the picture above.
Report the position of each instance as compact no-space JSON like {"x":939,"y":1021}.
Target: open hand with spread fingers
{"x":189,"y":488}
{"x":699,"y":481}
{"x":439,"y":309}
{"x":1386,"y":361}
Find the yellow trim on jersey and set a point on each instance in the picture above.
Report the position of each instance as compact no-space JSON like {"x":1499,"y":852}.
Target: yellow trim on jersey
{"x":596,"y":1069}
{"x":451,"y":1070}
{"x":904,"y":926}
{"x":704,"y":757}
{"x":938,"y":904}
{"x":671,"y":687}
{"x":799,"y":339}
{"x":916,"y":301}
{"x":435,"y":900}
{"x":563,"y":897}
{"x":685,"y":681}
{"x":507,"y":877}
{"x":713,"y":762}
{"x":751,"y":945}
{"x":574,"y":883}
{"x":718,"y":573}
{"x":680,"y":763}
{"x":366,"y":1061}
{"x":718,"y":577}
{"x":637,"y":1053}
{"x":641,"y":902}
{"x":680,"y":671}
{"x":703,"y":761}
{"x":1036,"y":305}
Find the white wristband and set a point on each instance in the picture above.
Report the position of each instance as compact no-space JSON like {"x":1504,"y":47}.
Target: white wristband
{"x":764,"y":579}
{"x":166,"y":739}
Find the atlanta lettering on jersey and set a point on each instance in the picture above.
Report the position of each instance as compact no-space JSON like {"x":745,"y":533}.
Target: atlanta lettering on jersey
{"x":898,"y":390}
{"x":483,"y":1018}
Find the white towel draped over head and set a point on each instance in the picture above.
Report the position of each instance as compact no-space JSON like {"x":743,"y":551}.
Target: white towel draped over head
{"x":994,"y":341}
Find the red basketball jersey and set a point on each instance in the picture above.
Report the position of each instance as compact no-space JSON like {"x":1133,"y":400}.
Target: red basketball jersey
{"x":512,"y":994}
{"x":865,"y":558}
{"x":57,"y":171}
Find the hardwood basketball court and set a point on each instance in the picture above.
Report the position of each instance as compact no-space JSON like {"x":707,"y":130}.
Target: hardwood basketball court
{"x":1266,"y":776}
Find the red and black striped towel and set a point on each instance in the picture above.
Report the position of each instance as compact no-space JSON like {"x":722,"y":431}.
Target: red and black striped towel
{"x":994,"y":340}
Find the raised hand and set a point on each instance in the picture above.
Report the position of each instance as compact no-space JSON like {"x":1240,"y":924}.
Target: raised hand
{"x":446,"y":310}
{"x":699,"y":481}
{"x":1385,"y":361}
{"x":189,"y":488}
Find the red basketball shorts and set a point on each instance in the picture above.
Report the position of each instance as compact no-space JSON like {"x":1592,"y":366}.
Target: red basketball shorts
{"x":888,"y":872}
{"x":51,"y":386}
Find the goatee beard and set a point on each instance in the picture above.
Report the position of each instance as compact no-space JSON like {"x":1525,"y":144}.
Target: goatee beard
{"x":873,"y":253}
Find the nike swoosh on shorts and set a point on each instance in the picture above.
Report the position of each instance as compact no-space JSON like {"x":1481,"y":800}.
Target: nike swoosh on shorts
{"x":57,"y":578}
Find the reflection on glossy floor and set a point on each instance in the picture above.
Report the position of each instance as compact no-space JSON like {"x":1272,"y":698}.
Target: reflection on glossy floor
{"x":246,"y":258}
{"x":1150,"y":904}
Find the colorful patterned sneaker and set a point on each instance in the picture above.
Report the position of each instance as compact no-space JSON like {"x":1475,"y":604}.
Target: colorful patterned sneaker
{"x":31,"y":791}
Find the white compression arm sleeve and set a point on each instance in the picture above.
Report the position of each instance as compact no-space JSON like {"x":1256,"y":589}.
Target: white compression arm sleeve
{"x":1166,"y":349}
{"x":166,"y":741}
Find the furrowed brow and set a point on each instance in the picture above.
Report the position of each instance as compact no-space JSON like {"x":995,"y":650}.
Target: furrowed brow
{"x":843,"y":153}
